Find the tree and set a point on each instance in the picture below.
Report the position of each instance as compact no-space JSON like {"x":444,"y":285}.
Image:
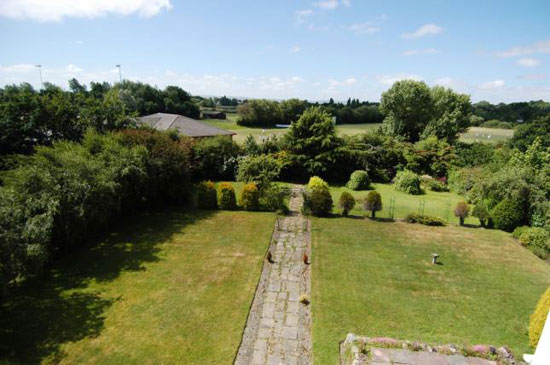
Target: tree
{"x":451,"y":114}
{"x":461,"y":211}
{"x":312,"y":141}
{"x":525,"y":135}
{"x":481,"y":212}
{"x":346,"y":203}
{"x":408,"y":107}
{"x":261,"y":169}
{"x":373,"y":202}
{"x":291,"y":110}
{"x":259,"y":113}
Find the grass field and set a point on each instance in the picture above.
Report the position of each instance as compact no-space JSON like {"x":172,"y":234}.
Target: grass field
{"x":431,"y":203}
{"x":259,"y":133}
{"x":375,"y":279}
{"x":166,"y":287}
{"x":492,"y":135}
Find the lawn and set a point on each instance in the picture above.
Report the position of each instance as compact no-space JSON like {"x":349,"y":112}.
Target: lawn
{"x":492,"y":135}
{"x":375,"y":279}
{"x":261,"y":133}
{"x":439,"y":204}
{"x":165,"y":287}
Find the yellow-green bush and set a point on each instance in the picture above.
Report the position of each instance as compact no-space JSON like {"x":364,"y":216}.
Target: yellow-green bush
{"x":206,"y":195}
{"x":316,"y":182}
{"x":538,"y":318}
{"x":226,"y":198}
{"x":250,"y":197}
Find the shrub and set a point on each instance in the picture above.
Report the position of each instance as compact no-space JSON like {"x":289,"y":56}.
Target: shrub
{"x":318,"y":202}
{"x":461,"y":211}
{"x":261,"y":169}
{"x":408,"y":182}
{"x":272,"y":199}
{"x":507,"y":215}
{"x":316,"y":182}
{"x":436,"y":185}
{"x":207,"y":198}
{"x":424,"y":219}
{"x":538,"y":318}
{"x":359,"y":180}
{"x":215,"y":158}
{"x":481,"y":212}
{"x":373,"y":202}
{"x":226,"y":198}
{"x":535,"y":239}
{"x":346,"y":203}
{"x":250,"y":197}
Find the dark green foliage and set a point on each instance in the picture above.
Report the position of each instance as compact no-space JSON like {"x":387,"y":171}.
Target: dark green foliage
{"x":317,"y":202}
{"x":346,"y":203}
{"x":430,"y":156}
{"x":260,"y":113}
{"x":373,"y":202}
{"x":215,"y":158}
{"x":535,"y":239}
{"x":207,"y":197}
{"x":312,"y":143}
{"x":473,"y":154}
{"x":462,"y":210}
{"x":507,"y":215}
{"x":261,"y":169}
{"x":424,"y":219}
{"x":408,"y":182}
{"x":437,"y":185}
{"x":273,"y":198}
{"x":250,"y":197}
{"x":359,"y":180}
{"x":226,"y":197}
{"x":525,"y":111}
{"x":481,"y":212}
{"x":525,"y":134}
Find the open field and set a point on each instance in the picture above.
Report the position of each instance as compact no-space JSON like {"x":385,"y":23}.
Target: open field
{"x":165,"y":287}
{"x":431,"y":203}
{"x":375,"y":279}
{"x":260,"y":133}
{"x":492,"y":135}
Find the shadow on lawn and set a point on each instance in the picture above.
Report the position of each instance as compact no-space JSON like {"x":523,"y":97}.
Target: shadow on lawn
{"x":45,"y":312}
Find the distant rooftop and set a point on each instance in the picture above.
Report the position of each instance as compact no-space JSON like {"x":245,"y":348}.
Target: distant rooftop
{"x":184,"y":125}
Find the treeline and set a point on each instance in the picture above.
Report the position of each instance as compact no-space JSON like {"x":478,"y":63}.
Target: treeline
{"x":30,"y":117}
{"x":212,"y":102}
{"x":510,"y":113}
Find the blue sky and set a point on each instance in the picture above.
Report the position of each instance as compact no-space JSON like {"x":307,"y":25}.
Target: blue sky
{"x":492,"y":50}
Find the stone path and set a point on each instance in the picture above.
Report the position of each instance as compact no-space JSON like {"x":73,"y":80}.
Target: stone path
{"x":278,"y":329}
{"x":381,"y":356}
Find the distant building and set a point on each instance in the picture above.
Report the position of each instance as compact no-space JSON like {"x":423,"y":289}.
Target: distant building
{"x":213,"y":114}
{"x":184,"y":125}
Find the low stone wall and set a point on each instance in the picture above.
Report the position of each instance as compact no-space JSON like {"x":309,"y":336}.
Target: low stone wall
{"x":356,"y":350}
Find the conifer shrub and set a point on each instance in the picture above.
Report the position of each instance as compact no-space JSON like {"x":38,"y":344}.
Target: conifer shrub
{"x":346,"y":203}
{"x":207,"y":197}
{"x":538,"y":318}
{"x":359,"y":180}
{"x":481,"y":212}
{"x":318,"y":201}
{"x":250,"y":197}
{"x":408,"y":182}
{"x":226,"y":197}
{"x":462,"y":210}
{"x":373,"y":203}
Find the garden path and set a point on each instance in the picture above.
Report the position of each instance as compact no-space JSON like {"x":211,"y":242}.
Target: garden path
{"x":278,"y":329}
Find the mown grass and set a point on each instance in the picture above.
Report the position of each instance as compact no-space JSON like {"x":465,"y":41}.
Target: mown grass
{"x":375,"y":279}
{"x":491,"y":135}
{"x":262,"y":133}
{"x":438,"y":204}
{"x":165,"y":287}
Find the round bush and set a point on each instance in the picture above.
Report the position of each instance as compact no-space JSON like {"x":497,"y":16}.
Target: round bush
{"x":506,"y":215}
{"x":226,"y":198}
{"x":373,"y":202}
{"x":346,"y":203}
{"x":359,"y":180}
{"x":461,"y":211}
{"x":318,"y":202}
{"x":408,"y":182}
{"x":206,"y":195}
{"x":538,"y":318}
{"x":316,"y":182}
{"x":250,"y":197}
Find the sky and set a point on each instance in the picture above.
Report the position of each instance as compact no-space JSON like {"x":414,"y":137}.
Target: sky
{"x":493,"y":50}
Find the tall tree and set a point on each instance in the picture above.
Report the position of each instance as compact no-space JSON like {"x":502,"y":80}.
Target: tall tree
{"x":451,"y":114}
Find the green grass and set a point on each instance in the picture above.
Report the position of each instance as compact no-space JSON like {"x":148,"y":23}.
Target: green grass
{"x":260,"y":133}
{"x":375,"y":279}
{"x":439,"y":204}
{"x":480,"y":134}
{"x":166,"y":287}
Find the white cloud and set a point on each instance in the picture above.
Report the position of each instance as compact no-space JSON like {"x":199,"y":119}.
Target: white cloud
{"x":327,"y":4}
{"x":363,"y":28}
{"x":426,"y":29}
{"x":56,"y":10}
{"x":535,"y":77}
{"x":346,"y":3}
{"x":528,"y":62}
{"x":414,"y":52}
{"x":302,"y":15}
{"x":347,"y":82}
{"x":495,"y":84}
{"x":391,"y":79}
{"x":295,"y":49}
{"x":538,"y":47}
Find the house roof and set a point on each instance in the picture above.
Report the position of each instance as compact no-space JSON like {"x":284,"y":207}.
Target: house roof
{"x":184,"y":125}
